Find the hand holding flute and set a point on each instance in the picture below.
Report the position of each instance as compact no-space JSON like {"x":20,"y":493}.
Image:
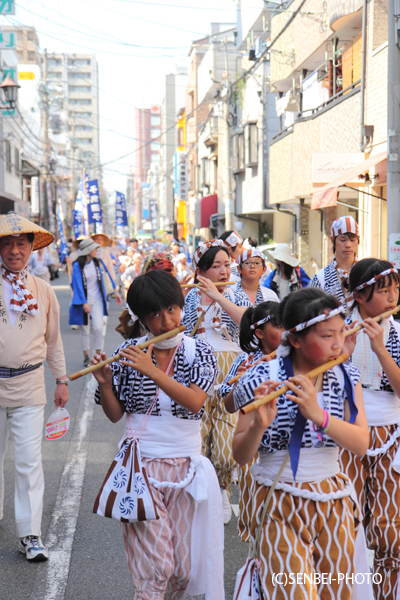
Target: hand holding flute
{"x":100,"y":364}
{"x":282,"y":390}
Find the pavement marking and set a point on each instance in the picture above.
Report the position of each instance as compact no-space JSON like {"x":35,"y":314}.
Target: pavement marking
{"x":61,"y":287}
{"x":60,"y":537}
{"x":235,"y":508}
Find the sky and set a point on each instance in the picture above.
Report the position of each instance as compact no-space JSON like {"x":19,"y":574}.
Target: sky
{"x":136,"y":44}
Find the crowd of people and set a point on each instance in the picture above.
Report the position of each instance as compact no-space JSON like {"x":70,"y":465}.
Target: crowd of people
{"x":317,"y":467}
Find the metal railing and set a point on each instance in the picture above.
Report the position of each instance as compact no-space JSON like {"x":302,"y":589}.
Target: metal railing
{"x":311,"y":113}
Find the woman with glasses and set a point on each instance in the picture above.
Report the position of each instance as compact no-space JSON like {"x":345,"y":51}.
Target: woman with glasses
{"x":251,"y":267}
{"x":345,"y":240}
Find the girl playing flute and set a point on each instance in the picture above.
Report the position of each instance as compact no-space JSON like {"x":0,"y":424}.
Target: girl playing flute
{"x":179,"y":372}
{"x":312,"y":521}
{"x":260,"y":334}
{"x":222,"y":310}
{"x":374,"y":284}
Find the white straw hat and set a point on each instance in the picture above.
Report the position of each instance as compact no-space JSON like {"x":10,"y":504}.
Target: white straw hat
{"x":13,"y":224}
{"x":282,"y":253}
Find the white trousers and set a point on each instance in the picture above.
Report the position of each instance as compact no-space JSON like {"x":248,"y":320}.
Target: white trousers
{"x":95,"y":321}
{"x":25,"y":423}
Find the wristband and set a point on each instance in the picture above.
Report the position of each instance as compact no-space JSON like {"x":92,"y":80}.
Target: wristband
{"x":324,"y":427}
{"x":62,"y":381}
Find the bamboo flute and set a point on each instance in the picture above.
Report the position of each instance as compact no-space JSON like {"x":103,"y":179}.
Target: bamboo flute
{"x":199,"y":320}
{"x":190,"y":286}
{"x":282,"y":390}
{"x":155,"y":340}
{"x":346,"y":334}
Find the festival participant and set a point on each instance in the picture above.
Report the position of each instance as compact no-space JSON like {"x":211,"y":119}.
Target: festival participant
{"x":234,"y":243}
{"x":311,"y":521}
{"x":39,"y":264}
{"x":29,"y":335}
{"x":89,"y":298}
{"x":222,"y":311}
{"x":184,"y":272}
{"x":260,"y":334}
{"x":288,"y":276}
{"x":175,"y":253}
{"x":374,"y":285}
{"x":333,"y":279}
{"x":251,"y":267}
{"x":103,"y":252}
{"x":177,"y":373}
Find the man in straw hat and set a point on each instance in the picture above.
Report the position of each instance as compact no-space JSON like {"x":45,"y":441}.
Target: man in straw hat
{"x":345,"y":240}
{"x":29,"y":334}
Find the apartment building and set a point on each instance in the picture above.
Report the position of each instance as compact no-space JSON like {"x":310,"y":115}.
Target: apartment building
{"x":147,"y":153}
{"x":329,"y":156}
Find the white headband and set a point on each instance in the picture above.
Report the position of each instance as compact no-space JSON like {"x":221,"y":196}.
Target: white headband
{"x":318,"y":319}
{"x":234,"y":239}
{"x":375,"y":279}
{"x":260,"y":322}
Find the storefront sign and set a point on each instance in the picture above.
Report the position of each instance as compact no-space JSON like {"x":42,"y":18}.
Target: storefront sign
{"x":326,"y":167}
{"x":394,"y":249}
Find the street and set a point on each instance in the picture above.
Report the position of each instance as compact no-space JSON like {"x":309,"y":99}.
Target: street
{"x":87,"y":558}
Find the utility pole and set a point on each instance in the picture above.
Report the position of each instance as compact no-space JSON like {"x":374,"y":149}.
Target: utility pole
{"x":393,"y":159}
{"x":227,"y":143}
{"x":45,"y":141}
{"x":71,"y":201}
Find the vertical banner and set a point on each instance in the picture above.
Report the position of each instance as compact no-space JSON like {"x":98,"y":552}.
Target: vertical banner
{"x":95,"y":214}
{"x":79,"y":222}
{"x":121,"y":218}
{"x":153,"y":215}
{"x":50,"y":209}
{"x":63,"y":243}
{"x":181,"y":174}
{"x":35,"y":196}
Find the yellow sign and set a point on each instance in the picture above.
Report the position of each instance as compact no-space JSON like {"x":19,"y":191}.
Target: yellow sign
{"x":26,"y":75}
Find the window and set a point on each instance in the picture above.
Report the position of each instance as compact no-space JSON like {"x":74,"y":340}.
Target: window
{"x":81,"y":115}
{"x":205,"y":172}
{"x":197,"y":169}
{"x":155,"y":146}
{"x":155,"y":133}
{"x":155,"y":120}
{"x":83,"y":128}
{"x":31,"y":36}
{"x":31,"y":55}
{"x":8,"y":156}
{"x":240,"y":151}
{"x":250,"y":144}
{"x":79,"y":88}
{"x":80,"y":101}
{"x":53,"y":62}
{"x":79,"y":62}
{"x":53,"y":75}
{"x":79,"y":75}
{"x":84,"y":140}
{"x":16,"y":161}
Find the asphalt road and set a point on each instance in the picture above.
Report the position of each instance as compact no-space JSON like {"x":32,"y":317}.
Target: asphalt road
{"x":87,"y":559}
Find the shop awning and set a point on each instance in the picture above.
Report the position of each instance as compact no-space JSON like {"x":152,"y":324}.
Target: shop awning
{"x":204,"y":208}
{"x":327,"y":195}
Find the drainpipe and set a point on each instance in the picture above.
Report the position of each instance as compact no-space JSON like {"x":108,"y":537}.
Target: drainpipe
{"x":363,"y":60}
{"x":292,"y":214}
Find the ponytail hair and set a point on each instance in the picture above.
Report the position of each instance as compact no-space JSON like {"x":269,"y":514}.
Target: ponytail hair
{"x":248,"y":341}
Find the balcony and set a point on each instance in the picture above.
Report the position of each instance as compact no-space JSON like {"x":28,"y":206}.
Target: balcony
{"x":212,"y":70}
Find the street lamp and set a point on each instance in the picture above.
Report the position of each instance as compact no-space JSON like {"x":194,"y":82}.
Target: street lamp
{"x":10,"y":89}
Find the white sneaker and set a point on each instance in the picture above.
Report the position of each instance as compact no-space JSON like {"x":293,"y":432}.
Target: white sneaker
{"x":33,"y":548}
{"x":226,"y":506}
